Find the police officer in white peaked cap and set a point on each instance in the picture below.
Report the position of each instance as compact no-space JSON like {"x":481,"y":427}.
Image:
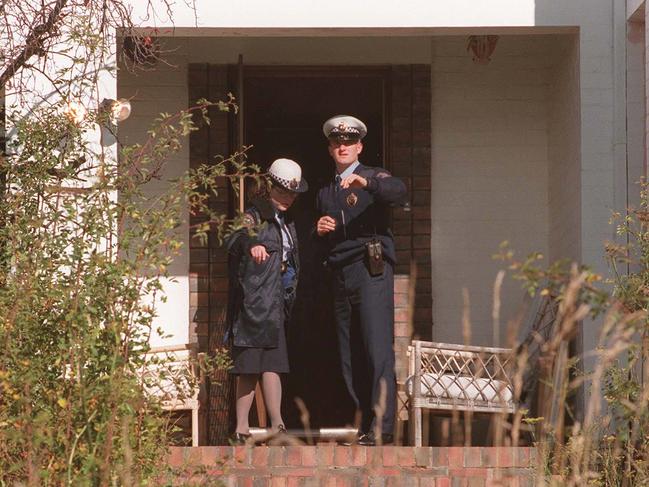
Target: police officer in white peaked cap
{"x":360,"y":251}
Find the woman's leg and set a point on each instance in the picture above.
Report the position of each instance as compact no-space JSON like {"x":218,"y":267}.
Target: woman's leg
{"x":245,"y":395}
{"x":272,"y":387}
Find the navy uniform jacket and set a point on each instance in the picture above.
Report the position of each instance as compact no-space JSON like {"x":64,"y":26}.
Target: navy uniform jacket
{"x":360,"y":214}
{"x":256,"y":293}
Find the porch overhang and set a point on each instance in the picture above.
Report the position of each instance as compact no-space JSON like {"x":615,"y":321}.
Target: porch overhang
{"x":198,"y":31}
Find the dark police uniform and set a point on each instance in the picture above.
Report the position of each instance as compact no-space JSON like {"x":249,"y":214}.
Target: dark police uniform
{"x":364,"y":303}
{"x":256,"y":318}
{"x":261,"y":295}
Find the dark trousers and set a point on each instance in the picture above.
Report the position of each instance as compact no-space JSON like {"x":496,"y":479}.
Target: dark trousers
{"x":364,"y":310}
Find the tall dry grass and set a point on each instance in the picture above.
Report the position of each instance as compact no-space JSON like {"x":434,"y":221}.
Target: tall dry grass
{"x":589,"y":425}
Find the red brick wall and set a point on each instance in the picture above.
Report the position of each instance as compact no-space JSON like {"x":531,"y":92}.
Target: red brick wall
{"x":409,"y":149}
{"x":329,"y":465}
{"x":409,"y":145}
{"x":208,"y":282}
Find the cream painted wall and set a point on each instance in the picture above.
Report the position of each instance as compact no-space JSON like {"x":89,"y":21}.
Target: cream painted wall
{"x":489,"y":175}
{"x":298,"y":50}
{"x":153,"y":92}
{"x":636,"y":108}
{"x":564,"y":153}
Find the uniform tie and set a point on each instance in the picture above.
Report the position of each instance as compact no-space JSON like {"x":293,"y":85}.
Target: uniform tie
{"x":338,"y":179}
{"x":286,"y":234}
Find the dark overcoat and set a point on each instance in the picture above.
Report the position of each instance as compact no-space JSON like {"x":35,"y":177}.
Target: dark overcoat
{"x":256,"y":299}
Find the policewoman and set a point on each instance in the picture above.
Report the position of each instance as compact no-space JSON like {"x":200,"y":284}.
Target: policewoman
{"x":263,"y":267}
{"x":353,"y":226}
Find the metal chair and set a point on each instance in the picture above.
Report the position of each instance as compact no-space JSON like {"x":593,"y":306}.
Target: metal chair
{"x":172,"y":374}
{"x":449,"y":377}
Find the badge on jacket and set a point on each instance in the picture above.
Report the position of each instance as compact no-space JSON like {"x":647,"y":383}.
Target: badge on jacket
{"x":248,"y":220}
{"x":352,"y":199}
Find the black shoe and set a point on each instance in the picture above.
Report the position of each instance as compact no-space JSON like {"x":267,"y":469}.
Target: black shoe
{"x":369,"y":439}
{"x":239,"y":438}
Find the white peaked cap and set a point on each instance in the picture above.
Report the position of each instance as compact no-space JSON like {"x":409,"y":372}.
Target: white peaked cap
{"x":288,"y":174}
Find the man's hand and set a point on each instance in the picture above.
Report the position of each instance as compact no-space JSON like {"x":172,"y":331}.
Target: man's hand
{"x":325,"y":225}
{"x":353,"y":181}
{"x":259,"y":254}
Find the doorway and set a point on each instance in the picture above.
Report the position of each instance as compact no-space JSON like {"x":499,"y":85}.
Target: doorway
{"x":283,"y":114}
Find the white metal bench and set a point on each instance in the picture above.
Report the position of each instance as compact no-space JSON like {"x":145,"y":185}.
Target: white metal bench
{"x":449,"y":377}
{"x":173,"y":375}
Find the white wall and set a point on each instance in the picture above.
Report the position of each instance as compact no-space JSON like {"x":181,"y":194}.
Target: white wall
{"x":151,"y":93}
{"x":296,"y":50}
{"x":636,"y":108}
{"x":564,"y":154}
{"x":599,"y":52}
{"x":489,"y":174}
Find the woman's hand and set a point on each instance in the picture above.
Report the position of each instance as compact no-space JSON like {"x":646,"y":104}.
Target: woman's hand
{"x":259,"y":254}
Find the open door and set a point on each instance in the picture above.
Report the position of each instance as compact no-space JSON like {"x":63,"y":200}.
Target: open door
{"x":283,"y":114}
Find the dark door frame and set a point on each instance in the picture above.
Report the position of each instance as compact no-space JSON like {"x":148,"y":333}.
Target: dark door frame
{"x":330,"y":71}
{"x":242,"y":74}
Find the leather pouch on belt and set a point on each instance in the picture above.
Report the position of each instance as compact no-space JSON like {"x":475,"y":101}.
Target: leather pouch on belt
{"x":375,"y":262}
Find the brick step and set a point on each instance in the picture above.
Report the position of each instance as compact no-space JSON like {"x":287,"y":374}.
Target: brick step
{"x":353,"y":466}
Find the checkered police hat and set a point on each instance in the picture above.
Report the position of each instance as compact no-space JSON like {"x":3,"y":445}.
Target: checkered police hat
{"x":344,"y":127}
{"x":288,"y":174}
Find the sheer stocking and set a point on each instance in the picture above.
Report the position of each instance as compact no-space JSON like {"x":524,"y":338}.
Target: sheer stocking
{"x":272,"y":387}
{"x":245,"y":395}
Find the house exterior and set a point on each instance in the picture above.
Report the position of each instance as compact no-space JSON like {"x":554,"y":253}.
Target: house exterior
{"x":535,"y":147}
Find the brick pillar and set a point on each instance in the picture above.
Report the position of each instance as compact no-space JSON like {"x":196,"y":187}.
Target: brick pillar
{"x":409,"y":149}
{"x":409,"y":139}
{"x":208,"y":260}
{"x":402,"y":338}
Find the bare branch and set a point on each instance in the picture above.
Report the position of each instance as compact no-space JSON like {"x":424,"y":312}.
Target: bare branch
{"x":34,"y":42}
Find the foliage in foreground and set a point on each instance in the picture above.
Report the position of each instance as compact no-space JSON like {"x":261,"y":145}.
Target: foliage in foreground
{"x":83,"y":249}
{"x":607,"y":441}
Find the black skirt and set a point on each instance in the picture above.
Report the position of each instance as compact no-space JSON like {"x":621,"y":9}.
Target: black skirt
{"x":254,"y":360}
